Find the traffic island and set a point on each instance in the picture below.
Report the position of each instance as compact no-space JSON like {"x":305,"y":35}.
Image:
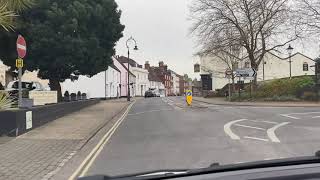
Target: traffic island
{"x":20,"y":121}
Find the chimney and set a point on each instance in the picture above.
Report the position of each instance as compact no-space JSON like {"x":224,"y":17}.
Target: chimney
{"x":147,"y":65}
{"x":160,"y":63}
{"x":166,"y":67}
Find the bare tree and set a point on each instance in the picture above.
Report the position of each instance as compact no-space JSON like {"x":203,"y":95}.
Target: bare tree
{"x":229,"y":55}
{"x":309,"y":11}
{"x":256,"y":26}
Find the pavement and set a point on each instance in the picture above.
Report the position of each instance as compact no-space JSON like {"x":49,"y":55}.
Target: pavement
{"x":222,"y":101}
{"x":44,"y":152}
{"x":165,"y":133}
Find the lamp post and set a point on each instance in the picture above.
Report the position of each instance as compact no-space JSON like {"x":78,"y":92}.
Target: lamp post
{"x":135,"y":48}
{"x":290,"y":49}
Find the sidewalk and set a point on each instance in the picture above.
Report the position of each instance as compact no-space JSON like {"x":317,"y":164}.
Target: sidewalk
{"x":42,"y":152}
{"x":222,"y":101}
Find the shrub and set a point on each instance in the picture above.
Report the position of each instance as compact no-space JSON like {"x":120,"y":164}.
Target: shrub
{"x":78,"y":95}
{"x":66,"y":94}
{"x":6,"y":101}
{"x":73,"y":96}
{"x":309,"y":96}
{"x":284,"y":87}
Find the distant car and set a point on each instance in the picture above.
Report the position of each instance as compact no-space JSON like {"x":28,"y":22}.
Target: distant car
{"x":149,"y":93}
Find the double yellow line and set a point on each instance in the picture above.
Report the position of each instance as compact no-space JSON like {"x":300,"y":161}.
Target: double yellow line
{"x":88,"y":161}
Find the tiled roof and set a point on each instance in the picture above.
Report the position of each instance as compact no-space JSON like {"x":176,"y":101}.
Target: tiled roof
{"x":123,"y":59}
{"x":153,"y":75}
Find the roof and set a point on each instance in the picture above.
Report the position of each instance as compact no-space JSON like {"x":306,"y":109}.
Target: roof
{"x":114,"y":67}
{"x":125,"y":67}
{"x":153,"y":75}
{"x":291,"y":56}
{"x":132,"y":62}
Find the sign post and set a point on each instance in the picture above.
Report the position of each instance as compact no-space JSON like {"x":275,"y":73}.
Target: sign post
{"x":229,"y":73}
{"x":22,"y":51}
{"x":189,"y":97}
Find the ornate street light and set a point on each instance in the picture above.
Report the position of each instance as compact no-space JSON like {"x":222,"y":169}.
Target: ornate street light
{"x":289,"y":50}
{"x":135,"y":48}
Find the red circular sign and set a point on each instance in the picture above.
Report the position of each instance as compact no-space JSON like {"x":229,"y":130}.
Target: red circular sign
{"x":21,"y":47}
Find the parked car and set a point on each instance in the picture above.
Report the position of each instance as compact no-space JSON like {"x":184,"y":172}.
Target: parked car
{"x":13,"y":87}
{"x":31,"y":86}
{"x":149,"y":93}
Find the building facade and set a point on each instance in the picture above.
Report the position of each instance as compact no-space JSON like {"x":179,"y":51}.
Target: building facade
{"x":105,"y":84}
{"x":141,"y":74}
{"x":124,"y":79}
{"x":272,"y":67}
{"x":181,"y":85}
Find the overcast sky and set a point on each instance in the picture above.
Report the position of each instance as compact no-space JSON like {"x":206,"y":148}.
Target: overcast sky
{"x":161,"y":28}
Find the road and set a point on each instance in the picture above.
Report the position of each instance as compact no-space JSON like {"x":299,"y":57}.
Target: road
{"x":163,"y":133}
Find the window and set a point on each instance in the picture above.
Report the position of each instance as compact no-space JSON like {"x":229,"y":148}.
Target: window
{"x":305,"y":66}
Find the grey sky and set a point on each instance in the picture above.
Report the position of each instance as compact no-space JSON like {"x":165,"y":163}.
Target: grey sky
{"x":161,"y":28}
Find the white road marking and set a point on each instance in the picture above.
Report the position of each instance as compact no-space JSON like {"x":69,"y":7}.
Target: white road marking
{"x":271,"y":132}
{"x":293,"y":117}
{"x":255,"y":138}
{"x":149,"y":111}
{"x":228,"y":131}
{"x":88,"y":161}
{"x":286,"y":115}
{"x":315,"y":117}
{"x":270,"y":122}
{"x":252,"y":127}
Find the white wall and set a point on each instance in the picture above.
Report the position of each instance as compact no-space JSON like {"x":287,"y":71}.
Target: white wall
{"x":141,"y":80}
{"x":274,"y":68}
{"x":3,"y":69}
{"x":95,"y":86}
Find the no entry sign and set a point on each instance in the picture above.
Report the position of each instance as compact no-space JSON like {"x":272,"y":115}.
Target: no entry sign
{"x":21,"y":47}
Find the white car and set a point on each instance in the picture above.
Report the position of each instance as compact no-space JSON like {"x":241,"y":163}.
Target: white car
{"x":31,"y":86}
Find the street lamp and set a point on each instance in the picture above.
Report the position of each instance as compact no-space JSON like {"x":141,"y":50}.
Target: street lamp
{"x":135,"y":48}
{"x":290,"y":49}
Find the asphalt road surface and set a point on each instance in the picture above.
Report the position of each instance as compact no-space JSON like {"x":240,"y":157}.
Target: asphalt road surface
{"x":164,"y":133}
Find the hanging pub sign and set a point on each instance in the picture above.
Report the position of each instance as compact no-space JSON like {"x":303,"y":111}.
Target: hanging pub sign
{"x":196,"y":68}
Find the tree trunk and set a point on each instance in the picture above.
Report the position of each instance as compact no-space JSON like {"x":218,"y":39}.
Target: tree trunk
{"x":55,"y":86}
{"x":255,"y":80}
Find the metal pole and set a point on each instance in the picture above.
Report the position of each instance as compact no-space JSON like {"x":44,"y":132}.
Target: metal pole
{"x":20,"y":88}
{"x":105,"y":84}
{"x":128,"y":93}
{"x":250,"y":89}
{"x":239,"y":88}
{"x":290,"y":65}
{"x":263,"y":69}
{"x":229,"y":90}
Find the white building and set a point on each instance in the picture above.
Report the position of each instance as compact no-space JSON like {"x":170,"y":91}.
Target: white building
{"x":141,"y":81}
{"x":102,"y":85}
{"x":274,"y":67}
{"x":176,"y":84}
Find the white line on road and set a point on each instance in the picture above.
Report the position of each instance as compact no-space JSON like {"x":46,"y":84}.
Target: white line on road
{"x":149,"y":111}
{"x":228,"y":131}
{"x":315,"y":117}
{"x":271,"y":132}
{"x":86,"y":164}
{"x":293,"y":117}
{"x":255,"y":138}
{"x":270,"y":122}
{"x":288,"y":116}
{"x":252,"y":127}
